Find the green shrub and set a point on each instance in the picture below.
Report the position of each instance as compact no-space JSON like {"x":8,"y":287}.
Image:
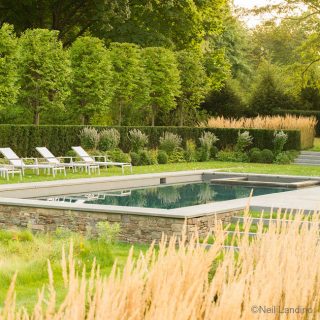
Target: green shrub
{"x":138,"y":140}
{"x":267,"y":156}
{"x":190,"y":153}
{"x":244,"y":140}
{"x":169,"y":142}
{"x":292,"y":154}
{"x":117,"y":155}
{"x":283,"y":158}
{"x":95,"y":152}
{"x":255,"y":156}
{"x":208,"y":139}
{"x":232,"y":156}
{"x":177,"y":156}
{"x":109,"y":139}
{"x":72,"y":154}
{"x":145,"y":159}
{"x":5,"y":236}
{"x":213,"y":152}
{"x":89,"y":138}
{"x":63,"y":233}
{"x":25,"y":236}
{"x":203,"y":154}
{"x":135,"y":158}
{"x":286,"y":157}
{"x":108,"y":232}
{"x":279,"y":140}
{"x":153,"y":154}
{"x":162,"y":157}
{"x":253,"y":150}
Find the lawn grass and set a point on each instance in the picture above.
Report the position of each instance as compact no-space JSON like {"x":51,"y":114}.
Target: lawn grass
{"x":290,"y":169}
{"x":316,"y":146}
{"x":28,"y":257}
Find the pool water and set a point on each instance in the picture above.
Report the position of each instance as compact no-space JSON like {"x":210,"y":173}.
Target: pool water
{"x":169,"y":196}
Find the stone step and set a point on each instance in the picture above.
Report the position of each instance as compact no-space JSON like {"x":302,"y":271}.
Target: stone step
{"x":307,"y":164}
{"x":307,"y":157}
{"x":308,"y":161}
{"x":310,"y":153}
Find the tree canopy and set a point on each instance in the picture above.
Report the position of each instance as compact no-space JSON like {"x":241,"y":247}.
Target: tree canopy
{"x":9,"y":86}
{"x":45,"y":72}
{"x":162,"y":70}
{"x":131,"y":87}
{"x":159,"y":62}
{"x":72,"y":18}
{"x":91,"y":86}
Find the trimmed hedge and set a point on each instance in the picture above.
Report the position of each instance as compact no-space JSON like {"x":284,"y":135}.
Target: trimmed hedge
{"x":305,"y":113}
{"x":24,"y":138}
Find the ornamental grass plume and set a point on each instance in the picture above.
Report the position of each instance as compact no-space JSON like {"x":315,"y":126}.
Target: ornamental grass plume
{"x":184,"y":279}
{"x":306,"y":125}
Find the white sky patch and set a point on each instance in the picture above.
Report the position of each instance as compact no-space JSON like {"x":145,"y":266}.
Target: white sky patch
{"x":251,"y":20}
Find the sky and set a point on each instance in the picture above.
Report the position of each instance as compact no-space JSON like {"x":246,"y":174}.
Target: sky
{"x":252,"y":3}
{"x":252,"y":21}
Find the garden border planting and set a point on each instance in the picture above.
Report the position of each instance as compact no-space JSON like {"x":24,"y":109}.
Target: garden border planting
{"x":59,"y":138}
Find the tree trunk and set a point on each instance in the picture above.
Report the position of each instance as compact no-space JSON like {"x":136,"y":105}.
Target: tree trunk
{"x":181,"y":117}
{"x":153,"y":115}
{"x":85,"y":120}
{"x":120,"y":114}
{"x":36,"y":118}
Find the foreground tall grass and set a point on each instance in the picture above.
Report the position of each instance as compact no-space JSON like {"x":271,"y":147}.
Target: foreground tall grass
{"x":306,"y":125}
{"x":279,"y":268}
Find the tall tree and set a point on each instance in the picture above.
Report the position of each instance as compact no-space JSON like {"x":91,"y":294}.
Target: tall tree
{"x":229,"y":101}
{"x":8,"y":66}
{"x":130,"y":82}
{"x":91,"y":88}
{"x":45,"y":72}
{"x":304,"y":14}
{"x":292,"y":45}
{"x":279,"y":42}
{"x":162,"y":71}
{"x":173,"y":24}
{"x":71,"y":17}
{"x":268,"y":92}
{"x":194,"y":83}
{"x":235,"y":40}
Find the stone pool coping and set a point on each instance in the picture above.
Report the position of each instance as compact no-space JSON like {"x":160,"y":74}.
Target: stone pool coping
{"x":305,"y":199}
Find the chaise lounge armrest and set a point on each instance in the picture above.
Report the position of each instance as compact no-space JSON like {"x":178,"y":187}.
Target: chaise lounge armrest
{"x":31,"y":158}
{"x":71,"y":159}
{"x":104,"y":158}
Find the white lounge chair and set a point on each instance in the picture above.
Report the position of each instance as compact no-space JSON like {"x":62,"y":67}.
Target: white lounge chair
{"x":51,"y":159}
{"x":18,"y":163}
{"x":105,"y":163}
{"x":7,"y":169}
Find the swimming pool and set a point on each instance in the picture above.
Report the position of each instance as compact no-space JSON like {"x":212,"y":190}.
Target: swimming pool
{"x":167,"y":196}
{"x":149,"y":205}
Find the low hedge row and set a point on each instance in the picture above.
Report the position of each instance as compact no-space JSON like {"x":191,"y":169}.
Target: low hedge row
{"x":59,"y":139}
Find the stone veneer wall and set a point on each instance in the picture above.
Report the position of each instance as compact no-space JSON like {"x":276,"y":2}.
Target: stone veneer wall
{"x":134,"y":228}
